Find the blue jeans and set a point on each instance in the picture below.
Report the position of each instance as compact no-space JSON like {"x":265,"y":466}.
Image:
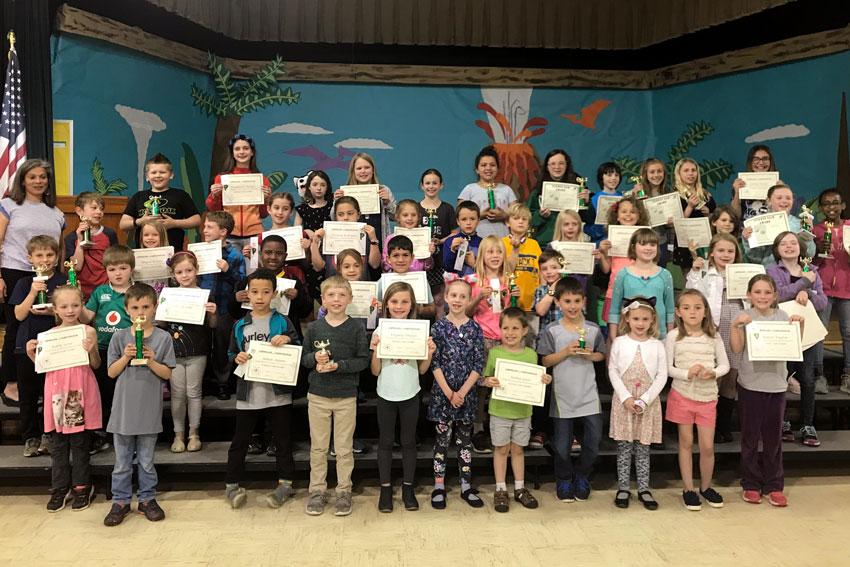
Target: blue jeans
{"x":843,"y":325}
{"x":564,"y":469}
{"x":804,"y":372}
{"x":122,"y":474}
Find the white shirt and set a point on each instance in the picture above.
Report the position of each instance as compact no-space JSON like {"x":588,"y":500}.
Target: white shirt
{"x":623,"y":352}
{"x":504,"y":197}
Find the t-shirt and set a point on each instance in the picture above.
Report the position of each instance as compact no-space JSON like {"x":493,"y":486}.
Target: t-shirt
{"x":190,"y":340}
{"x":313,"y":218}
{"x":501,"y":408}
{"x":596,"y":232}
{"x":260,"y":394}
{"x":527,"y":272}
{"x":445,"y":220}
{"x":30,"y":327}
{"x":110,"y":316}
{"x":137,"y":403}
{"x":25,"y":221}
{"x":398,"y":382}
{"x":175,"y":203}
{"x":91,"y":273}
{"x":574,"y":391}
{"x":763,"y":375}
{"x":504,"y":197}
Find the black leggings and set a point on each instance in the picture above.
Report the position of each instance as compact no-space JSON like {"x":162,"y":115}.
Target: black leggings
{"x":408,"y":414}
{"x":7,"y":372}
{"x":68,"y":448}
{"x":30,"y":387}
{"x":279,"y":418}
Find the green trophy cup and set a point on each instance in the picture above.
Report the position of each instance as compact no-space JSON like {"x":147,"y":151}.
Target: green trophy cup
{"x":431,"y":214}
{"x":512,"y":286}
{"x":491,"y":196}
{"x":641,"y":194}
{"x":86,"y":241}
{"x":153,"y":209}
{"x":581,"y":187}
{"x":139,"y":333}
{"x":72,"y":274}
{"x":582,"y":343}
{"x":41,"y":299}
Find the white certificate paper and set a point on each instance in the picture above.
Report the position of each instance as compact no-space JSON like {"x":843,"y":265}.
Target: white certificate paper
{"x":620,"y":236}
{"x":698,"y":230}
{"x":364,"y":299}
{"x":61,"y":348}
{"x":766,"y":228}
{"x":421,"y":238}
{"x":738,"y":277}
{"x":405,"y":339}
{"x":292,"y":235}
{"x":150,"y":263}
{"x":273,"y":365}
{"x":774,"y":340}
{"x":579,"y":255}
{"x":813,"y":331}
{"x":417,"y":280}
{"x":603,"y":207}
{"x":340,"y":236}
{"x":242,"y":189}
{"x":663,"y":207}
{"x":182,"y":305}
{"x":757,"y":184}
{"x":462,"y":249}
{"x":519,"y":382}
{"x":559,"y":196}
{"x":367,"y":197}
{"x":207,"y":253}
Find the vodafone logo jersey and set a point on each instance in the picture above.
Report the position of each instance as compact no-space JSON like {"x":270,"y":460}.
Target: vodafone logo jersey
{"x":109,"y":313}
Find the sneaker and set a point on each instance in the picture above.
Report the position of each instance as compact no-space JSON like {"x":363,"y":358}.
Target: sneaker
{"x":793,"y":385}
{"x":712,"y":498}
{"x":235,"y":496}
{"x":178,"y":446}
{"x":565,"y":491}
{"x":343,"y":504}
{"x":358,"y":447}
{"x":58,"y":498}
{"x":821,"y":385}
{"x":316,"y":503}
{"x":255,"y":445}
{"x":408,"y":497}
{"x":751,"y":496}
{"x":31,"y":447}
{"x":99,"y":442}
{"x":691,"y":500}
{"x":116,"y":514}
{"x":501,"y":501}
{"x":194,"y":444}
{"x":481,"y":443}
{"x":151,"y":510}
{"x":223,"y":393}
{"x":276,"y":498}
{"x":45,"y":445}
{"x":582,"y":489}
{"x":271,"y":450}
{"x":777,"y":499}
{"x":809,"y":436}
{"x":787,"y":434}
{"x":524,"y":497}
{"x":576,"y":446}
{"x":538,"y":440}
{"x":845,"y":384}
{"x":82,"y":498}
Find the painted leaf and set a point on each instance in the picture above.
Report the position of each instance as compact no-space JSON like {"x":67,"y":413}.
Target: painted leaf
{"x":630,"y":167}
{"x":500,"y":118}
{"x":207,"y":103}
{"x":98,"y":182}
{"x":250,"y":103}
{"x":263,"y":81}
{"x":689,"y":138}
{"x":486,"y":127}
{"x":223,"y":85}
{"x":276,"y":178}
{"x":715,"y":172}
{"x":115,"y":187}
{"x":192,"y":180}
{"x":536,"y":121}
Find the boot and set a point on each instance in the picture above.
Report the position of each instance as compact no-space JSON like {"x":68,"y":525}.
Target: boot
{"x":723,"y":425}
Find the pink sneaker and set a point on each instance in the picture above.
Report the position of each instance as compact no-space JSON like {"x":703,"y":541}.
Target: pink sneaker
{"x":752,"y":496}
{"x":778,"y":499}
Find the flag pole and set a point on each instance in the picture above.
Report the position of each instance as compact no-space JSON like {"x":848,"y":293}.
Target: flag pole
{"x":11,"y":37}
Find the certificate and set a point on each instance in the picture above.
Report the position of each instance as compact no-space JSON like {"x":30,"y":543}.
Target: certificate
{"x":61,"y":348}
{"x":757,"y":184}
{"x":603,"y":206}
{"x":845,"y":233}
{"x":405,"y":339}
{"x":620,"y":236}
{"x":421,"y":238}
{"x":182,"y":305}
{"x":766,"y":228}
{"x":698,"y":230}
{"x":273,"y":365}
{"x":559,"y":196}
{"x":207,"y":253}
{"x":663,"y":207}
{"x":292,"y":235}
{"x":364,"y":300}
{"x":367,"y":197}
{"x":417,"y":280}
{"x":738,"y":277}
{"x":813,"y":331}
{"x":462,"y":249}
{"x":579,"y":255}
{"x":774,"y":340}
{"x":340,"y":236}
{"x":150,"y":263}
{"x":519,"y":382}
{"x":242,"y":189}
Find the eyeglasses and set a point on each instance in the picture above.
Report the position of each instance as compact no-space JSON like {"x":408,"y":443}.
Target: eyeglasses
{"x":761,"y":159}
{"x":831,"y":204}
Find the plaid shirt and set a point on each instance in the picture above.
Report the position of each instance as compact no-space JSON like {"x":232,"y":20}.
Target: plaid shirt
{"x":221,"y":285}
{"x":554,"y":313}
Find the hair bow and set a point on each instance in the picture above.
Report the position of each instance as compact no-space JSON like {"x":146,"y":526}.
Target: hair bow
{"x":450,"y":277}
{"x":614,"y":205}
{"x":238,"y":137}
{"x":635,"y":302}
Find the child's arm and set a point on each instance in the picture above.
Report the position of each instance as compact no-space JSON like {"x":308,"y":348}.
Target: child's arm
{"x":86,"y":315}
{"x":78,"y":254}
{"x":737,"y":339}
{"x":316,"y":258}
{"x":660,"y":378}
{"x":720,"y":357}
{"x":484,"y":292}
{"x":374,"y":249}
{"x":614,"y":373}
{"x":116,"y":368}
{"x":90,"y":344}
{"x":128,"y":223}
{"x":24,"y":308}
{"x":542,"y":305}
{"x":375,"y":363}
{"x":670,"y":349}
{"x":669,"y":301}
{"x":191,"y":222}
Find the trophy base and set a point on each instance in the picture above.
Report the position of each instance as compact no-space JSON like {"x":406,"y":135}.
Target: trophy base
{"x":86,"y":243}
{"x":42,"y":306}
{"x":824,"y":255}
{"x":806,"y":235}
{"x":139,"y":362}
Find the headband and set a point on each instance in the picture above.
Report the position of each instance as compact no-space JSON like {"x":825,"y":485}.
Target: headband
{"x":238,"y":137}
{"x":170,"y":261}
{"x":632,"y":303}
{"x":450,"y":277}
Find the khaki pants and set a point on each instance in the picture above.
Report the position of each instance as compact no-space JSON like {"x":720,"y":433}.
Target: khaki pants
{"x":324,"y":414}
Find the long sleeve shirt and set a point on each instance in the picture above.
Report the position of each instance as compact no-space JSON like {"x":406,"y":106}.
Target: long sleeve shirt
{"x":683,"y":354}
{"x":623,"y":352}
{"x":348,"y":348}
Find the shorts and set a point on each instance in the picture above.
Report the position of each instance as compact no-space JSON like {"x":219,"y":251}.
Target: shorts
{"x":504,"y":431}
{"x":684,"y":411}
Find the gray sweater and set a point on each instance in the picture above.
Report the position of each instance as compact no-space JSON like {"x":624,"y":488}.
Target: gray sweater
{"x":349,"y":348}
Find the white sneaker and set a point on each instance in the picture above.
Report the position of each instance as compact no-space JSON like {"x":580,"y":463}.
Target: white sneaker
{"x":845,"y":383}
{"x":821,"y":385}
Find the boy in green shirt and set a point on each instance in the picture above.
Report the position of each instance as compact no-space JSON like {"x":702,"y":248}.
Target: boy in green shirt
{"x":510,"y":422}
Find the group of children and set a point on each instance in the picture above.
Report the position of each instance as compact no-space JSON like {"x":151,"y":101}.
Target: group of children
{"x":493,"y":293}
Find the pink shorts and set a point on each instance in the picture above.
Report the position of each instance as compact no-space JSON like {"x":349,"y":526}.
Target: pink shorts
{"x":684,"y":411}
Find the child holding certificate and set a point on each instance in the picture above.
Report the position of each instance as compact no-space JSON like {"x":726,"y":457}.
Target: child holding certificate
{"x":398,"y":396}
{"x":315,"y":207}
{"x":696,"y":203}
{"x":466,"y":241}
{"x":557,"y":167}
{"x":400,"y":259}
{"x":72,"y":409}
{"x":759,"y":158}
{"x":608,"y":177}
{"x":523,"y":252}
{"x":696,"y":357}
{"x":779,"y":198}
{"x":637,"y":368}
{"x":362,"y":171}
{"x":544,"y":296}
{"x":346,"y":209}
{"x":725,"y":220}
{"x":510,"y":422}
{"x":493,"y":198}
{"x":152,"y":235}
{"x":797,"y":281}
{"x":441,"y":218}
{"x":257,"y":399}
{"x":761,"y":399}
{"x":653,"y":182}
{"x":408,"y":215}
{"x":457,"y":364}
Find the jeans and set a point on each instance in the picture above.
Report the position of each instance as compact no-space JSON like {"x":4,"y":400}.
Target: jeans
{"x":122,"y":474}
{"x":843,"y":325}
{"x":564,"y":469}
{"x":65,"y":448}
{"x":804,"y":372}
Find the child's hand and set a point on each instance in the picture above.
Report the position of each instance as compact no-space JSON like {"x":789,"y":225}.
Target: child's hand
{"x":469,"y":259}
{"x":597,"y":253}
{"x":305,"y":243}
{"x":629,"y":404}
{"x":516,"y":291}
{"x":432,"y":247}
{"x":147,"y":352}
{"x":693,"y":248}
{"x":743,"y":319}
{"x":670,"y":221}
{"x":584,"y":194}
{"x":32,"y":344}
{"x":290,"y":293}
{"x":796,"y":319}
{"x":747,"y":232}
{"x":222,"y":265}
{"x":432,"y":347}
{"x":823,"y":246}
{"x":491,"y":382}
{"x":211,"y":307}
{"x":695,"y":371}
{"x":280,"y":340}
{"x":242,"y":358}
{"x":486,"y":291}
{"x":546,"y":378}
{"x":83,"y":226}
{"x":242,"y":295}
{"x":457,"y":399}
{"x":246,"y":251}
{"x":693,"y":201}
{"x":376,"y":340}
{"x":810,"y":275}
{"x":130,"y":351}
{"x":573,"y":349}
{"x":736,"y":186}
{"x":37,"y":286}
{"x":379,"y":306}
{"x":383,"y":194}
{"x":88,"y":344}
{"x":698,"y":264}
{"x":605,"y":246}
{"x":545,"y":213}
{"x":329,"y":367}
{"x":267,"y":192}
{"x":322,"y":358}
{"x":802,"y":297}
{"x":319,"y":235}
{"x":370,"y":232}
{"x":455,"y":244}
{"x":216,"y":188}
{"x":515,"y":242}
{"x":338,"y":194}
{"x":707,"y":374}
{"x":167,"y":222}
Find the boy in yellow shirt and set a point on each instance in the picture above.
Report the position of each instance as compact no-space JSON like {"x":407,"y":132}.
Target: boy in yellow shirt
{"x":523,"y":252}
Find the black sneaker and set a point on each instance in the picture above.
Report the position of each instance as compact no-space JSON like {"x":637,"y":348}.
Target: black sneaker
{"x":357,"y":447}
{"x":58,"y":497}
{"x":82,"y":498}
{"x":787,"y":434}
{"x":151,"y":510}
{"x":99,"y":442}
{"x":116,"y":514}
{"x":712,"y":498}
{"x":255,"y":445}
{"x":385,"y":500}
{"x":223,"y":393}
{"x":692,"y":501}
{"x":481,"y":443}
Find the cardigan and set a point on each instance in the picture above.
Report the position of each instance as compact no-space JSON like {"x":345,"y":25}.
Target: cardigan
{"x":622,"y":355}
{"x":788,"y":291}
{"x":683,"y":354}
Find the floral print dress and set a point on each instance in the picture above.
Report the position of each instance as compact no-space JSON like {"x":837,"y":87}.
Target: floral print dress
{"x":460,"y":351}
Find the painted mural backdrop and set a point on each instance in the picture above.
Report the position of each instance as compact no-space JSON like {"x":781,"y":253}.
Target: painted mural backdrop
{"x":127,"y":106}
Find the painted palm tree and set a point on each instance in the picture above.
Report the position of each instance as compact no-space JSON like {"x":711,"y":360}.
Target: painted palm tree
{"x":231,"y":100}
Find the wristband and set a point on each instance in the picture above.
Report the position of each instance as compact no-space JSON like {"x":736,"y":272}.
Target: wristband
{"x":640,"y":404}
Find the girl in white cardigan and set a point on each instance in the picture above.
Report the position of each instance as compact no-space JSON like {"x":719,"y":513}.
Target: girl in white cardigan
{"x":696,"y":357}
{"x":637,"y":368}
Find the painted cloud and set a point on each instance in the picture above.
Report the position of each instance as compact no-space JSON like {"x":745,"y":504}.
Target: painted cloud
{"x":778,"y":132}
{"x":298,"y":128}
{"x":363,"y":143}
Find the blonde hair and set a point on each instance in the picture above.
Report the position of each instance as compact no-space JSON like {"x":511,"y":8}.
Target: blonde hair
{"x":708,"y":326}
{"x":352,"y":180}
{"x":69,"y":289}
{"x":486,"y":245}
{"x":559,"y":223}
{"x":519,"y":210}
{"x":160,"y":231}
{"x":335,"y":281}
{"x":683,"y":189}
{"x":726,"y":237}
{"x":623,"y":328}
{"x":393,"y":289}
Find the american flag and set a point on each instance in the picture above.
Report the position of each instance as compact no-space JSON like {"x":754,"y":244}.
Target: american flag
{"x":13,"y":135}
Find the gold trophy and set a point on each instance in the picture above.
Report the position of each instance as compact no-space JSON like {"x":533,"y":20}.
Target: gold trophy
{"x":806,"y":262}
{"x":86,"y":241}
{"x":41,"y":299}
{"x":511,"y":286}
{"x":581,"y":187}
{"x":72,"y":275}
{"x":491,"y":196}
{"x":827,"y":238}
{"x":432,"y":213}
{"x":563,"y":271}
{"x":641,"y":194}
{"x":582,"y":343}
{"x":323,"y":349}
{"x":139,"y":334}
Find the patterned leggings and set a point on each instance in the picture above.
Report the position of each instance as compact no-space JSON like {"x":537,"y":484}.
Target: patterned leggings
{"x":463,"y":436}
{"x":625,"y":450}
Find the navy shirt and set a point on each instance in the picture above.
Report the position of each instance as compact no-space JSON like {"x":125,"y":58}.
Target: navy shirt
{"x":30,"y":327}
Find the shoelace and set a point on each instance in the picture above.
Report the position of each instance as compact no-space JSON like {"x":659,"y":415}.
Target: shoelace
{"x":809,"y":430}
